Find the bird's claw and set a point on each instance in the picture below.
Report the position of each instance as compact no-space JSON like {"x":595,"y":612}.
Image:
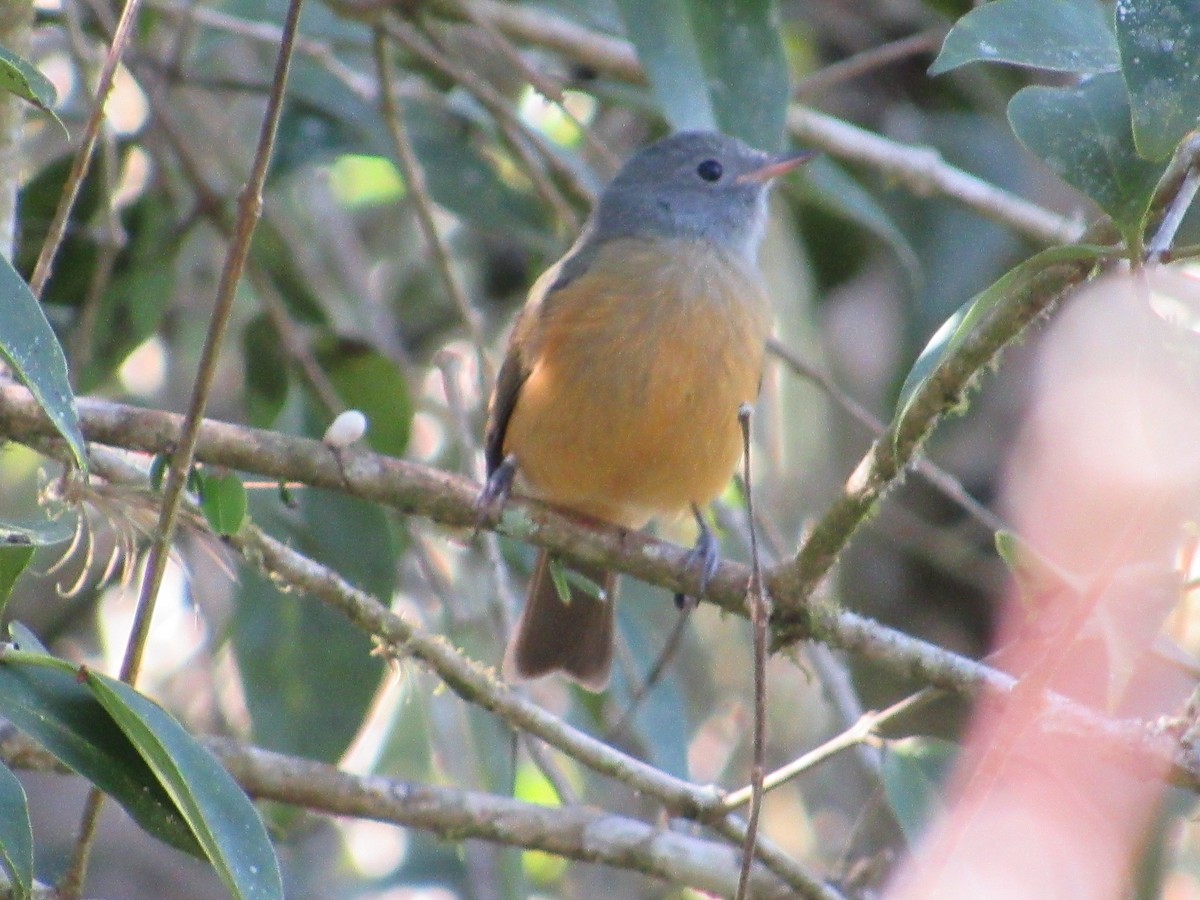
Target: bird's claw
{"x":705,"y":553}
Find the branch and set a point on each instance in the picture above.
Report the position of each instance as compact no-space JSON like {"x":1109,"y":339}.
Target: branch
{"x":575,"y":832}
{"x":572,"y":831}
{"x":921,"y":169}
{"x":448,"y":499}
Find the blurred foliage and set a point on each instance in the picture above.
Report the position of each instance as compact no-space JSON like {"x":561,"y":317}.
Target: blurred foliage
{"x":343,"y":307}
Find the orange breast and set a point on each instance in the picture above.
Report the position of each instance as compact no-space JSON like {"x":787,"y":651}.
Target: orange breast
{"x":638,"y":369}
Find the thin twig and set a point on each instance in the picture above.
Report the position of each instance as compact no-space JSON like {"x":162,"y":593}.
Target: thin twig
{"x":923,"y":171}
{"x":414,"y":180}
{"x":271,"y":34}
{"x":249,"y":210}
{"x":545,"y":86}
{"x":83,"y":157}
{"x":945,"y":482}
{"x":424,"y":47}
{"x":1187,"y":158}
{"x":862,"y":730}
{"x":537,"y":25}
{"x":861,"y":63}
{"x":760,"y":614}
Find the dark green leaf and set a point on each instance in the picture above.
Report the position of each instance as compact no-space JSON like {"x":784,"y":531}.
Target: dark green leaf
{"x":158,"y":469}
{"x":52,"y":707}
{"x":223,"y":501}
{"x":16,"y":834}
{"x":956,"y":329}
{"x":368,"y":381}
{"x":220,"y":815}
{"x":19,"y":76}
{"x":1084,"y":135}
{"x":746,"y":71}
{"x":1160,"y":55}
{"x":308,"y":674}
{"x":28,"y":345}
{"x":714,"y":64}
{"x":666,"y":46}
{"x":266,"y":366}
{"x":1060,"y":35}
{"x":914,"y":770}
{"x":14,"y":557}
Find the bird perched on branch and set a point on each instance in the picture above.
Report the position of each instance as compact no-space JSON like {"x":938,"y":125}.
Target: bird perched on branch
{"x":618,"y":398}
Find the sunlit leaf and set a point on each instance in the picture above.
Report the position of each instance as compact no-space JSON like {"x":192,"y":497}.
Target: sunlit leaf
{"x":14,"y":558}
{"x":19,"y":76}
{"x":28,"y":345}
{"x":223,"y":502}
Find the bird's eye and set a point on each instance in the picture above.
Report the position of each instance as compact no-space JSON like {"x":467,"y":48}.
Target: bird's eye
{"x":710,"y":170}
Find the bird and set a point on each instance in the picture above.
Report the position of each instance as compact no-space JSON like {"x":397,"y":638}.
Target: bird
{"x":619,"y":394}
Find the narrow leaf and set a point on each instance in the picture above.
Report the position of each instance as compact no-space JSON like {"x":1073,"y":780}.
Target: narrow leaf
{"x":28,"y":345}
{"x":956,"y":329}
{"x":666,"y":46}
{"x":1160,"y":56}
{"x":219,"y":813}
{"x":19,"y":76}
{"x":16,"y":834}
{"x":746,"y":71}
{"x":1060,"y":35}
{"x":51,"y":706}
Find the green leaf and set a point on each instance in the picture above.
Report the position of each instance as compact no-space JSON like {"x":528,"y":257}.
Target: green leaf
{"x":1060,"y":35}
{"x":746,"y":70}
{"x":223,"y":501}
{"x":19,"y":76}
{"x":266,"y":366}
{"x":1084,"y":135}
{"x":16,"y":834}
{"x":914,"y":770}
{"x":714,"y":64}
{"x":28,"y":345}
{"x":293,"y":652}
{"x":14,"y":558}
{"x":957,"y":328}
{"x":219,"y":813}
{"x":558,"y":577}
{"x":1160,"y":56}
{"x":662,"y":34}
{"x":52,"y":707}
{"x":368,"y":381}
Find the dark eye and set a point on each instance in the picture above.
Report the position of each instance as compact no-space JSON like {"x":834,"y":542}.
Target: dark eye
{"x":710,"y":170}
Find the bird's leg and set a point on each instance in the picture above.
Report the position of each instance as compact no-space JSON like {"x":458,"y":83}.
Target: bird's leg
{"x":706,"y":553}
{"x":490,"y":502}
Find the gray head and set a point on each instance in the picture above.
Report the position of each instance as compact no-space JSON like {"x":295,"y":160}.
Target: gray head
{"x":696,"y":184}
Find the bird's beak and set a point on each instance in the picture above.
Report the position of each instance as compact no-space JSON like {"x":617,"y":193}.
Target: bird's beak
{"x":778,"y":165}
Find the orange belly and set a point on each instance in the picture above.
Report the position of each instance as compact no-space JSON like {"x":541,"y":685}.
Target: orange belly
{"x":637,"y":374}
